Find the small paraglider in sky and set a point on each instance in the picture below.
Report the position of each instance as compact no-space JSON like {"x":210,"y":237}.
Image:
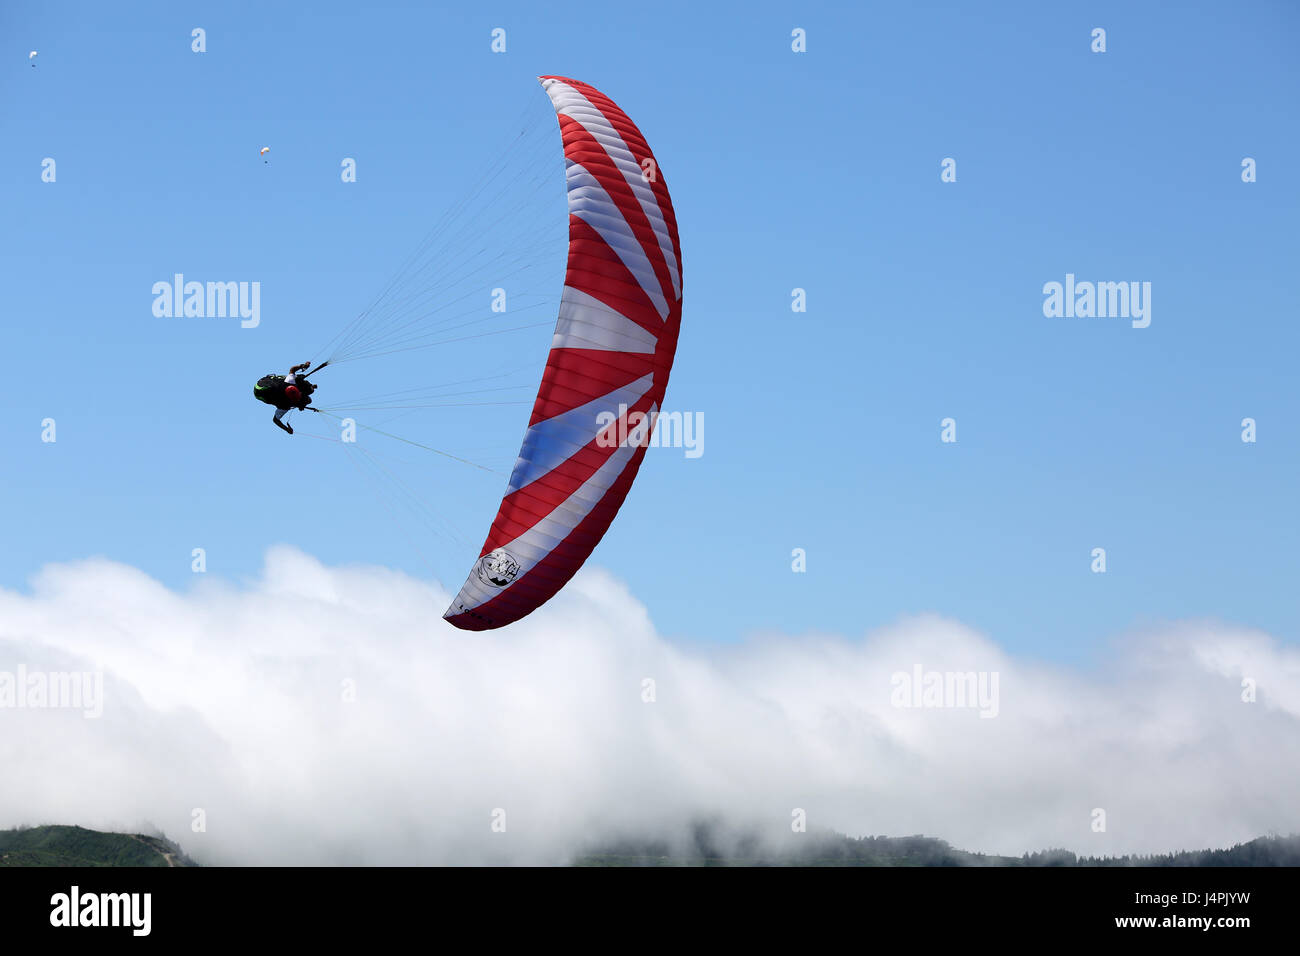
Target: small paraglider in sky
{"x":262,"y":152}
{"x":32,"y":56}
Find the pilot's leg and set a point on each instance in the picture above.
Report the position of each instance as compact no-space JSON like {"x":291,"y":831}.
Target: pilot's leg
{"x":279,"y":413}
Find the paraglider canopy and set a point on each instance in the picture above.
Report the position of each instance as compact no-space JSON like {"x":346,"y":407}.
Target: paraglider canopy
{"x":32,"y":56}
{"x":618,"y":262}
{"x":608,"y":367}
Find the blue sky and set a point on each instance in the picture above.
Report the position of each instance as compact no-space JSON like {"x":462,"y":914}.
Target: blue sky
{"x":817,"y":170}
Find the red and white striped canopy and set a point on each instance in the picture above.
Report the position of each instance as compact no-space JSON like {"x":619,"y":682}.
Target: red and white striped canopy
{"x":614,"y":342}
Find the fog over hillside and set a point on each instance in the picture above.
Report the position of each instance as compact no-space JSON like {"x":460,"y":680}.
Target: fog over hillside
{"x":326,"y":715}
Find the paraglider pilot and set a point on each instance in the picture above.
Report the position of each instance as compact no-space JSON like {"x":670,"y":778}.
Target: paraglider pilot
{"x":285,"y":392}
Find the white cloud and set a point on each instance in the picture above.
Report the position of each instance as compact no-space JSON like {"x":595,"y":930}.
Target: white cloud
{"x":229,"y":698}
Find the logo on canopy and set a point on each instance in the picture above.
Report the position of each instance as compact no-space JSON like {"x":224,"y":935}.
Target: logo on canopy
{"x":497,"y":568}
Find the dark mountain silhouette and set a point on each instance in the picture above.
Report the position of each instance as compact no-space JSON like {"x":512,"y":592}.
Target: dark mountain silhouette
{"x":77,"y":846}
{"x":713,"y":845}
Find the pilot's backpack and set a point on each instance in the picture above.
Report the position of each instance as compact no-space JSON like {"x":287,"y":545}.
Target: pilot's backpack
{"x":269,"y":389}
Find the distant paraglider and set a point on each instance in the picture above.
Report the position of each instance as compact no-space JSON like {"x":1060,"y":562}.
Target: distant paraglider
{"x":32,"y":56}
{"x":262,"y":152}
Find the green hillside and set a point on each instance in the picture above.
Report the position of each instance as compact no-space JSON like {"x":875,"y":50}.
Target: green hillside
{"x":77,"y":846}
{"x":712,"y":846}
